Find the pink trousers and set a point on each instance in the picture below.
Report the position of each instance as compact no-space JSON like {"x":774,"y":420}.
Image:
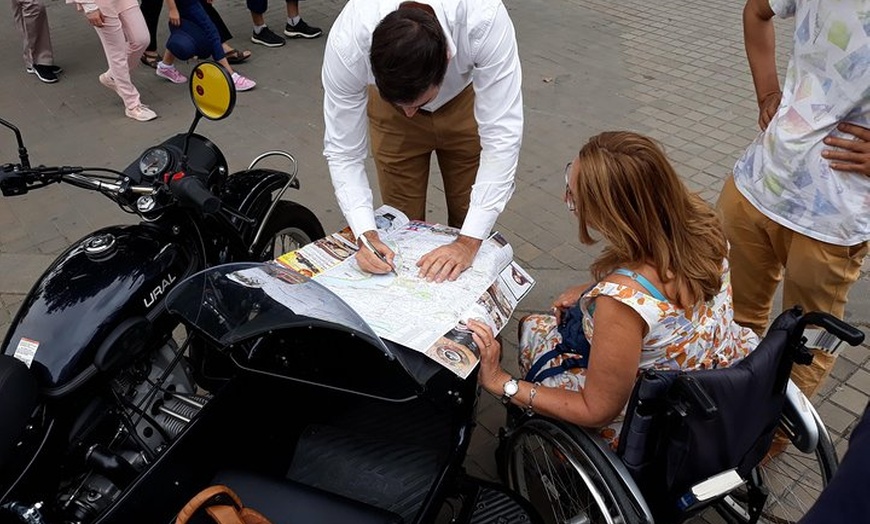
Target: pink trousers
{"x":124,"y":39}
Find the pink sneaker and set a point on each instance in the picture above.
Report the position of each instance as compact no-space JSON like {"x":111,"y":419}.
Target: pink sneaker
{"x":170,"y":73}
{"x":243,"y":83}
{"x":107,"y":80}
{"x":142,"y":113}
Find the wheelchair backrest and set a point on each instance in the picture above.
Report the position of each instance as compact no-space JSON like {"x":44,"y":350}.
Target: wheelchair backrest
{"x":682,"y":427}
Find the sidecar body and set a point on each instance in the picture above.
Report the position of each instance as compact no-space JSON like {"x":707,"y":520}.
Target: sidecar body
{"x":314,"y":417}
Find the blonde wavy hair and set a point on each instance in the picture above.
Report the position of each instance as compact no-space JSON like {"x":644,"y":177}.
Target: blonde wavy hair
{"x":629,"y":192}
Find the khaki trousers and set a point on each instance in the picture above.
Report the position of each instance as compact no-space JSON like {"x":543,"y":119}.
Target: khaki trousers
{"x":402,"y":148}
{"x":815,"y":275}
{"x":32,"y":22}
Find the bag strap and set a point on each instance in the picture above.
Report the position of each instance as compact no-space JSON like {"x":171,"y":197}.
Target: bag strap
{"x":213,"y":500}
{"x":643,"y":281}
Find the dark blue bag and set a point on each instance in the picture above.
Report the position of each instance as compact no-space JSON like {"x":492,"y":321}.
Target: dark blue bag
{"x":573,"y":342}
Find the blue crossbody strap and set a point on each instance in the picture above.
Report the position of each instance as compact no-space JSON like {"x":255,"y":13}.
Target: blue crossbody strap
{"x":531,"y":375}
{"x":643,"y":281}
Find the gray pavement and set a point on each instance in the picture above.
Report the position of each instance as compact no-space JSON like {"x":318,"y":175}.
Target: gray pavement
{"x":669,"y":68}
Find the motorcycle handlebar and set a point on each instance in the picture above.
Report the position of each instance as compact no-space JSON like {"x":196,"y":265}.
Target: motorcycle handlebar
{"x":191,"y":190}
{"x":14,"y":180}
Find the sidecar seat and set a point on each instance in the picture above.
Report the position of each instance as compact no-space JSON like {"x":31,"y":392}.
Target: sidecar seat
{"x":689,"y":440}
{"x":18,"y":392}
{"x":283,"y":501}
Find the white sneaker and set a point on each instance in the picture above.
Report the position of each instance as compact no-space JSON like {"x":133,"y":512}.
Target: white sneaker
{"x":243,"y":83}
{"x":142,"y":113}
{"x":170,"y":73}
{"x":107,"y":80}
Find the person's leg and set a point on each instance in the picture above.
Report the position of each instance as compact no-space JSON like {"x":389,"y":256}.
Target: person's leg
{"x":401,"y":148}
{"x":756,"y":265}
{"x":292,"y":8}
{"x":151,"y":12}
{"x":135,"y":33}
{"x":124,"y":37}
{"x":296,"y":27}
{"x":458,"y":153}
{"x":32,"y":21}
{"x":115,"y":47}
{"x":262,"y":34}
{"x":215,"y":17}
{"x":818,"y":277}
{"x":211,"y":41}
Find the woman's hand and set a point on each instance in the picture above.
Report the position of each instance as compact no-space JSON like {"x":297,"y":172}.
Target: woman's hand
{"x":568,"y":298}
{"x":95,"y":17}
{"x":490,"y":376}
{"x":174,"y":17}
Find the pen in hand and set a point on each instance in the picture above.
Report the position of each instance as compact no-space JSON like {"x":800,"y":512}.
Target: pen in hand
{"x":383,"y":258}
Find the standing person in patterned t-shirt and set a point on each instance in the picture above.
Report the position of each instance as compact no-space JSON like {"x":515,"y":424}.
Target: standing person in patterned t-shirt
{"x":797,"y":209}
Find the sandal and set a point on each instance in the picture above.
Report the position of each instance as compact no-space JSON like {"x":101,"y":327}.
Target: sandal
{"x":150,"y":58}
{"x":234,"y":56}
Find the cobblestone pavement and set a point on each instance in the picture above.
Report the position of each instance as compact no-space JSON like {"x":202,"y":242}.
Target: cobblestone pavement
{"x":672,"y":69}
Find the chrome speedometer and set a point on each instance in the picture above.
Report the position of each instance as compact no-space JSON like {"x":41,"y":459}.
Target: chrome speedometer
{"x":154,"y":162}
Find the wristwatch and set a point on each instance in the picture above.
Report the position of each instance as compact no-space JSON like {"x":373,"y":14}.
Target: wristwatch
{"x":510,"y":389}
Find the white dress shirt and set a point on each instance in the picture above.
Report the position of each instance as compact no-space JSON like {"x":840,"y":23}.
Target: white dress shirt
{"x":483,"y":52}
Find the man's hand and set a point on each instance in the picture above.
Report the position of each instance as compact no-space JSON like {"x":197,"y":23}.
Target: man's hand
{"x":370,"y":262}
{"x":174,"y":17}
{"x":448,"y":262}
{"x":853,"y":155}
{"x":767,"y":108}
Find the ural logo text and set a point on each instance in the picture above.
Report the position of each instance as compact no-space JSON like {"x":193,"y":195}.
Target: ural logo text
{"x":159,"y":290}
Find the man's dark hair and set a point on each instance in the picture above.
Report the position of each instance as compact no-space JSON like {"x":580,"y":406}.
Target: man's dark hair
{"x":408,"y":55}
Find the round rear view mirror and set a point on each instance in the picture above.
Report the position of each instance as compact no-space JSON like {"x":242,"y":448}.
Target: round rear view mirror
{"x":212,"y":90}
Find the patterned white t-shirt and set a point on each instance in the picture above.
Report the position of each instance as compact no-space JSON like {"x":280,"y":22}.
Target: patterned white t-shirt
{"x":828,"y":81}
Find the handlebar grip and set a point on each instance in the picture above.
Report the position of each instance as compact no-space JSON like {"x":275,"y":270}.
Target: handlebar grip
{"x":191,"y":190}
{"x":833,"y":325}
{"x":12,"y":182}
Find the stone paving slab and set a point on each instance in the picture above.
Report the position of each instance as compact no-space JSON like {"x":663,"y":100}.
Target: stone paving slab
{"x":672,"y":69}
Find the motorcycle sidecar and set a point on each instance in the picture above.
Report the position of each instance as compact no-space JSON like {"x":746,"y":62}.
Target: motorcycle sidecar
{"x":318,"y":420}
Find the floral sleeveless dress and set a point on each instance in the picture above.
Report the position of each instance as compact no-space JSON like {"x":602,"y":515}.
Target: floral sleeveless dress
{"x":704,"y":338}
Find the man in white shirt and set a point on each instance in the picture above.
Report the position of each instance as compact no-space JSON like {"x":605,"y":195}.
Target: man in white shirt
{"x":414,"y":78}
{"x":798,"y":206}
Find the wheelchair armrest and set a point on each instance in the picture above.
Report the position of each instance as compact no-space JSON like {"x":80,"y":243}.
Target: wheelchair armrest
{"x":688,"y":390}
{"x":710,"y":489}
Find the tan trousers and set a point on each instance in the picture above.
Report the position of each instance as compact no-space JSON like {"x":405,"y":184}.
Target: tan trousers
{"x":32,"y":23}
{"x":815,"y":275}
{"x":402,"y":148}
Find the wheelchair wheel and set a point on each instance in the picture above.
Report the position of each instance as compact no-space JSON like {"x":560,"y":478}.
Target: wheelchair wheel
{"x":793,"y":481}
{"x":566,"y":478}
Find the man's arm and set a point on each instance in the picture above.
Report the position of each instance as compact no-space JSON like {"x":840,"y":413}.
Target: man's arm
{"x":498,"y":107}
{"x":760,"y":42}
{"x":345,"y":141}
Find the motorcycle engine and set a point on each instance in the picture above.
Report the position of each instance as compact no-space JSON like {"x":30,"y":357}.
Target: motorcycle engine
{"x":153,"y":401}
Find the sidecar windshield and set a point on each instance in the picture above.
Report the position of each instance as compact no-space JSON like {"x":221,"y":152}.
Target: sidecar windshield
{"x":234,"y":302}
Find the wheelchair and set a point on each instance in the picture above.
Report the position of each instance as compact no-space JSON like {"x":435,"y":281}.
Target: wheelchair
{"x":692,"y":443}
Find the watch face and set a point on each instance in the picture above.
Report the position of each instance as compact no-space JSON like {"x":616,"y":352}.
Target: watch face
{"x":511,"y":387}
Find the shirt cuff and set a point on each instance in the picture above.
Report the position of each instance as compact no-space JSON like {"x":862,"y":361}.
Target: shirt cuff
{"x":478,"y":223}
{"x":361,"y":220}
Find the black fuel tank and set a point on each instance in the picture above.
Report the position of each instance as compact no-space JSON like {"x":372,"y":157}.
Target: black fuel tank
{"x":100,"y":283}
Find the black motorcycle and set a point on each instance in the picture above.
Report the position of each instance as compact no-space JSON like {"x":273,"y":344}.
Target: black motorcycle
{"x":97,"y":379}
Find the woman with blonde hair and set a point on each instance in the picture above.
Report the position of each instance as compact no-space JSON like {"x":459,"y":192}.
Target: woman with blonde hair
{"x":661,"y":297}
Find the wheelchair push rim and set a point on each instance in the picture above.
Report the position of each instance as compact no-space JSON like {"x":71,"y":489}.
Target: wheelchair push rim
{"x":565,"y":479}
